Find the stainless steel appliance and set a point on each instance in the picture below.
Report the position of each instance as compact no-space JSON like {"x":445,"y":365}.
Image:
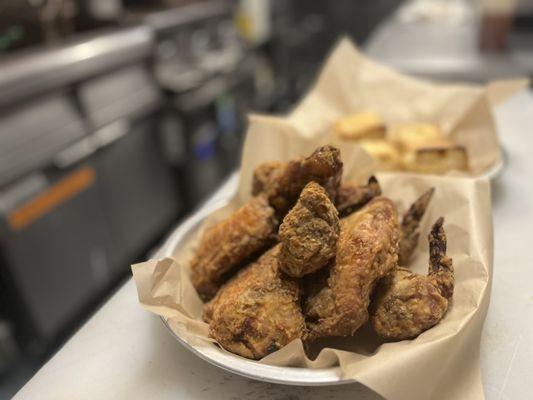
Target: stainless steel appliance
{"x":207,"y":75}
{"x":84,"y":186}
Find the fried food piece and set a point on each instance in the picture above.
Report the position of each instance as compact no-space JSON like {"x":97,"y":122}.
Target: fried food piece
{"x":407,"y":304}
{"x":367,"y":250}
{"x":231,"y":242}
{"x":409,"y":227}
{"x":427,"y":150}
{"x":438,"y":159}
{"x":309,"y":233}
{"x":385,"y":153}
{"x":258,"y":311}
{"x":265,"y":175}
{"x":362,"y":125}
{"x":352,"y":197}
{"x":411,"y":136}
{"x":283,"y":185}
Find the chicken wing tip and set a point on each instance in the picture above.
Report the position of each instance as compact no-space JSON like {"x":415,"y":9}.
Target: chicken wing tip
{"x":437,"y":243}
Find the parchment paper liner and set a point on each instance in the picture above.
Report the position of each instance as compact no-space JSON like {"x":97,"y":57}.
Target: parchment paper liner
{"x":443,"y":362}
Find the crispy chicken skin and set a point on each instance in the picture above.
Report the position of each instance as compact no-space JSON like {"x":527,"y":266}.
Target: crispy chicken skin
{"x":265,"y":175}
{"x":231,"y":242}
{"x":407,"y":304}
{"x":409,"y":227}
{"x":367,"y":250}
{"x":258,"y":311}
{"x":352,"y":197}
{"x":309,"y":233}
{"x":282,"y":183}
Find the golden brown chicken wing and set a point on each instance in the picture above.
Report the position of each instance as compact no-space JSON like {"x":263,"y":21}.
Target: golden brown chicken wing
{"x":352,"y":197}
{"x":406,"y":304}
{"x":283,"y":183}
{"x":258,"y":311}
{"x":367,"y":250}
{"x":266,"y":175}
{"x":309,"y":233}
{"x":409,"y":228}
{"x":231,"y":242}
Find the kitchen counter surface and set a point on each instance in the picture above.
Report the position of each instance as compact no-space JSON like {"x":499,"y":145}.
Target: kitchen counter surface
{"x":124,"y":352}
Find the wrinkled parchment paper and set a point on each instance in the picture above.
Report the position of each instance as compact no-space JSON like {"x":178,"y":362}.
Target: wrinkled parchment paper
{"x":443,"y":362}
{"x":351,"y":82}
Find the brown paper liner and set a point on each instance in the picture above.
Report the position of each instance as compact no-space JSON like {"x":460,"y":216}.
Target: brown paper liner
{"x":443,"y":362}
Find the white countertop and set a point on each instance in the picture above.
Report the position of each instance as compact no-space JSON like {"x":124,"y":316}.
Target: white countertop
{"x":124,"y":352}
{"x":443,"y":48}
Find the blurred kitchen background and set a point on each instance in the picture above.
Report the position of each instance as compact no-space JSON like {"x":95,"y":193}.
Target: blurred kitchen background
{"x":119,"y":117}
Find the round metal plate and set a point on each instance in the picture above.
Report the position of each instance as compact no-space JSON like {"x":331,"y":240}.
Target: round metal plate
{"x":263,"y":372}
{"x":249,"y":368}
{"x":497,"y":169}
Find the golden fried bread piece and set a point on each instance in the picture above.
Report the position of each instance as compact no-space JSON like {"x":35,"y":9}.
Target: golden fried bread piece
{"x":258,"y":311}
{"x":409,"y":227}
{"x":437,"y":160}
{"x":407,"y":304}
{"x":410,"y":136}
{"x":385,"y":153}
{"x":361,"y":125}
{"x":309,"y":233}
{"x":229,"y":243}
{"x":442,"y":143}
{"x":284,"y":183}
{"x":367,"y":250}
{"x":352,"y":197}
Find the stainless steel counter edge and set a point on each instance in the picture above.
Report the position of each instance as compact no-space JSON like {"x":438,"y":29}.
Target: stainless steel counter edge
{"x":39,"y":71}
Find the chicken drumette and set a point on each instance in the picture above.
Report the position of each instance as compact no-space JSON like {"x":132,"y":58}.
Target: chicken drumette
{"x":283,"y":182}
{"x":309,"y":233}
{"x":230,"y":243}
{"x":258,"y":311}
{"x":406,"y":304}
{"x":367,"y":250}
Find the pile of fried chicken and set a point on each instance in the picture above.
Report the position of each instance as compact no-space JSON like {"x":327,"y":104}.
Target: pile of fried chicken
{"x":308,"y":257}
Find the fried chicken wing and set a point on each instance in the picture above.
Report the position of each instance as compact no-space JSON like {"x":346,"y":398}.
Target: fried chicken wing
{"x":230,"y":243}
{"x":409,"y":228}
{"x":352,"y":197}
{"x":283,"y":183}
{"x":258,"y":311}
{"x":367,"y":250}
{"x":406,"y":304}
{"x":309,"y":233}
{"x":265,"y":176}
